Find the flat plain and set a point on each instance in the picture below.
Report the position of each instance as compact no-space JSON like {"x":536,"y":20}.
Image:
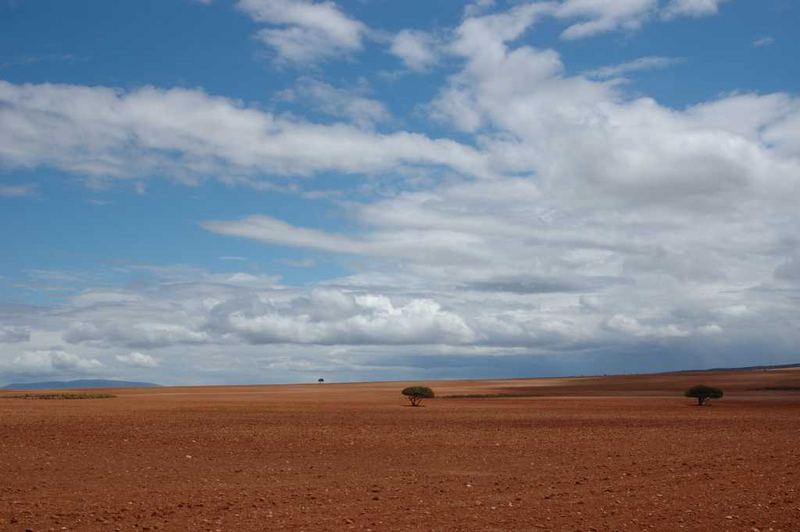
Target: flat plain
{"x":597,"y":453}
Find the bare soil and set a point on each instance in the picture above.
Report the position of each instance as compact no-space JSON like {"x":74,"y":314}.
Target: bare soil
{"x":606,"y":453}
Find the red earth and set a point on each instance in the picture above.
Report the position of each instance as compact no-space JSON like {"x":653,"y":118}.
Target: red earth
{"x":601,"y":453}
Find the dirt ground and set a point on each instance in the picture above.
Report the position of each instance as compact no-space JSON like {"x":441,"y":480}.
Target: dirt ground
{"x":615,"y":453}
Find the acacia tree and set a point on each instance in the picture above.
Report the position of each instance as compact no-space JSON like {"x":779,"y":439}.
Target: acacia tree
{"x":415,"y":394}
{"x":703,"y":393}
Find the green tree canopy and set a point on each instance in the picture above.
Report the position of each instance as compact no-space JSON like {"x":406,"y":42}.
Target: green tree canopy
{"x":703,"y":393}
{"x":415,"y":394}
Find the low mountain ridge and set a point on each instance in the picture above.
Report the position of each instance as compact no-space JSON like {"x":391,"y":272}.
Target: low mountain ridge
{"x":82,"y":383}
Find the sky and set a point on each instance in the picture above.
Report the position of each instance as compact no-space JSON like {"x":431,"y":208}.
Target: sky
{"x":263,"y":191}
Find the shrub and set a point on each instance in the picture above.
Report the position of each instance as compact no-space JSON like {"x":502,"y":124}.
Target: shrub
{"x":703,"y":393}
{"x":415,"y":394}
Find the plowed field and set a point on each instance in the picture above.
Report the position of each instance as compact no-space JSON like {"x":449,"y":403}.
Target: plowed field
{"x":615,"y":453}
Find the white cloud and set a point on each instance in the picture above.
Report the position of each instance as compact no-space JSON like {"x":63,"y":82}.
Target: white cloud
{"x":485,"y":35}
{"x":47,"y":362}
{"x":103,"y":132}
{"x":417,"y":49}
{"x":600,"y":16}
{"x":762,"y":42}
{"x":691,"y":8}
{"x":138,"y":360}
{"x":144,"y":334}
{"x":478,"y":7}
{"x":629,"y":223}
{"x":637,"y":65}
{"x":632,"y":326}
{"x":349,"y":104}
{"x":333,"y":317}
{"x":431,"y":242}
{"x":539,"y":286}
{"x":304,"y":31}
{"x":273,"y":231}
{"x":587,"y":138}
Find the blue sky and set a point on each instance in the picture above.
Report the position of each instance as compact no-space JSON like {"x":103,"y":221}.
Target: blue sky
{"x":274,"y":190}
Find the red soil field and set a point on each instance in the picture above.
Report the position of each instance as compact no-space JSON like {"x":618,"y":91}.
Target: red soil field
{"x":604,"y":453}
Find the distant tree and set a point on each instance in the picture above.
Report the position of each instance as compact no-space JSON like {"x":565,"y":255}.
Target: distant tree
{"x":320,"y":380}
{"x":703,"y":393}
{"x":415,"y":394}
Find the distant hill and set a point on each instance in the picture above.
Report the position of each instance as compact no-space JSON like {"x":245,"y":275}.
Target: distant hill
{"x":84,"y":383}
{"x":744,"y":368}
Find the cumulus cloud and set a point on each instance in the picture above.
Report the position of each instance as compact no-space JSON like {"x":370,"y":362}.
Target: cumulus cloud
{"x":48,"y":362}
{"x":562,"y":290}
{"x":417,"y":50}
{"x":335,"y":317}
{"x":189,"y":134}
{"x":138,"y":360}
{"x":632,"y":230}
{"x":634,"y":148}
{"x":304,"y":31}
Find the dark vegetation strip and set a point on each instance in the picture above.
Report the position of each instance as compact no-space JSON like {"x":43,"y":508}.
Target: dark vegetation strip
{"x":487,"y":395}
{"x":87,"y":395}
